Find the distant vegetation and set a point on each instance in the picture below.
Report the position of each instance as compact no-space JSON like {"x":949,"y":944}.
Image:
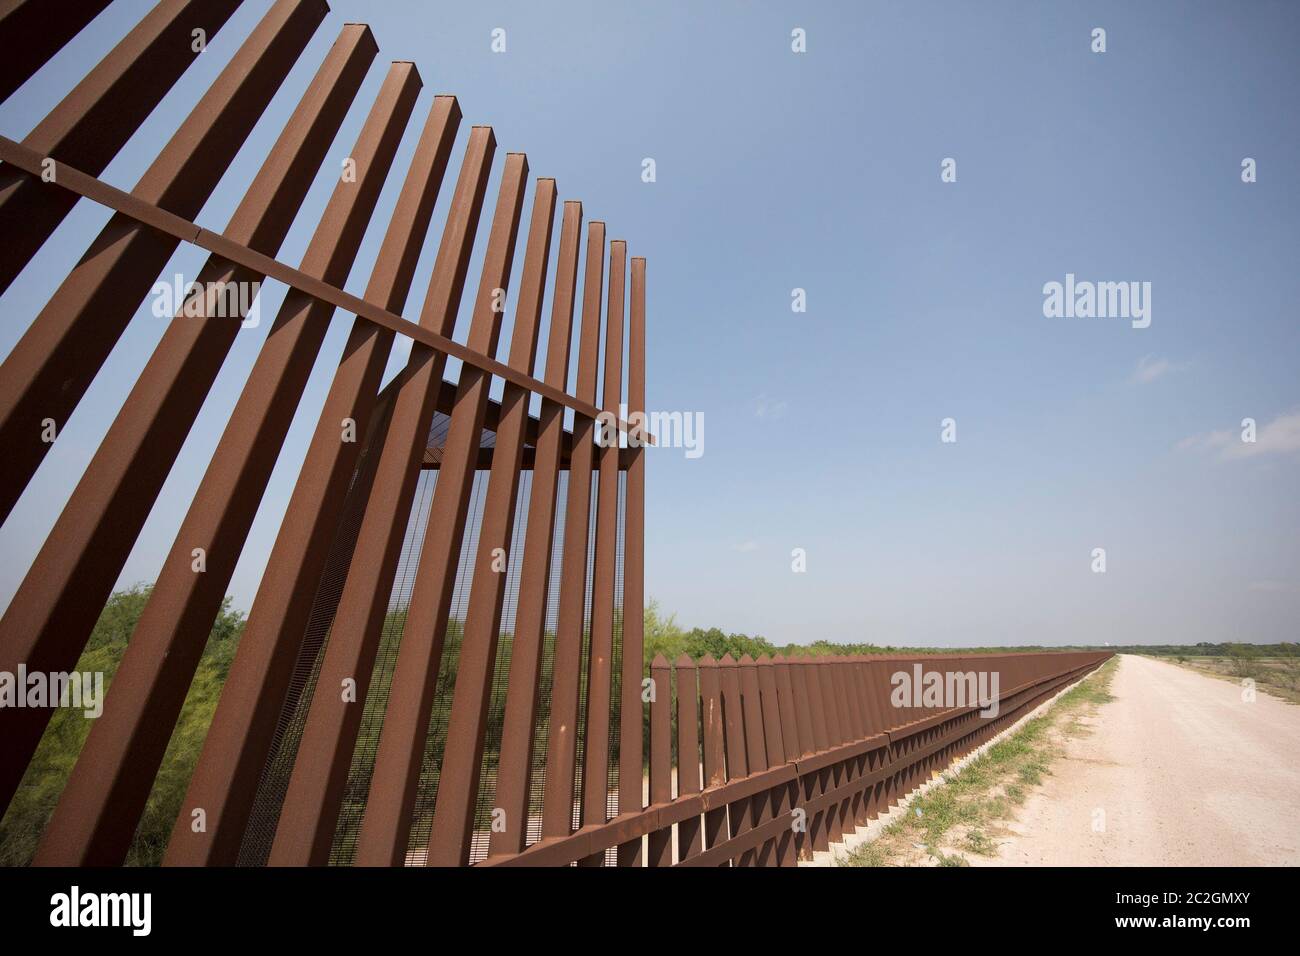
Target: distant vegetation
{"x":1274,"y":668}
{"x":1239,"y":651}
{"x":664,"y":635}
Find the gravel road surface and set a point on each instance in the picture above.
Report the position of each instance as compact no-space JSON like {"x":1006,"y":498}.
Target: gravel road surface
{"x":1178,"y":770}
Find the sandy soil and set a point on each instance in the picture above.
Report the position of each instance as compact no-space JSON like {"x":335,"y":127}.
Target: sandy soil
{"x":1183,"y":772}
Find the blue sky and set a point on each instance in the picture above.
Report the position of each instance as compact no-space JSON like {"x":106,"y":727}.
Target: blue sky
{"x":821,"y":171}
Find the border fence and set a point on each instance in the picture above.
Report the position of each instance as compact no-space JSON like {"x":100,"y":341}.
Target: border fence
{"x":443,"y":662}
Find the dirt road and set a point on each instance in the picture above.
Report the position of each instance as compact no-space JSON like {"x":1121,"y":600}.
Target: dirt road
{"x":1177,"y":770}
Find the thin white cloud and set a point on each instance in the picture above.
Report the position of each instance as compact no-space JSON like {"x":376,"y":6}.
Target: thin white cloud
{"x":770,"y":408}
{"x":1208,"y":441}
{"x":1149,"y":368}
{"x":1281,"y":436}
{"x":745,"y":547}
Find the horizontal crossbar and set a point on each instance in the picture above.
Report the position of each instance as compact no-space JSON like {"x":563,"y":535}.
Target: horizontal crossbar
{"x":147,"y":214}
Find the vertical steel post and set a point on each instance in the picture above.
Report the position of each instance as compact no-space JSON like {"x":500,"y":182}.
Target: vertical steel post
{"x":808,"y":688}
{"x":631,"y":708}
{"x":453,"y":816}
{"x":794,"y":749}
{"x":835,"y":814}
{"x":95,"y":120}
{"x":225,"y":778}
{"x":774,"y":732}
{"x":733,"y":718}
{"x":330,"y":735}
{"x":760,"y":810}
{"x":661,"y":759}
{"x":108,"y":788}
{"x":689,"y":836}
{"x":514,"y":772}
{"x":52,"y":365}
{"x":387,"y":821}
{"x":714,"y":736}
{"x":595,"y":773}
{"x":562,"y":740}
{"x":51,"y":616}
{"x":29,"y":37}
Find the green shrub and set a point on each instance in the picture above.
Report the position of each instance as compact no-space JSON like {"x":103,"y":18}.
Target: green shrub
{"x":37,"y":795}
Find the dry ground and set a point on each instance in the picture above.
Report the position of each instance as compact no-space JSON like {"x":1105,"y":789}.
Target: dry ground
{"x":1166,"y":766}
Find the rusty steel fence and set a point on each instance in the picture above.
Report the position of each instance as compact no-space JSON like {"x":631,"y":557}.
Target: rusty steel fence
{"x":443,"y":662}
